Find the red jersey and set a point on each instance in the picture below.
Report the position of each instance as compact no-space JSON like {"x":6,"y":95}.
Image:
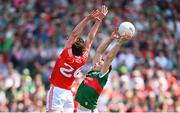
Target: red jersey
{"x":66,"y":67}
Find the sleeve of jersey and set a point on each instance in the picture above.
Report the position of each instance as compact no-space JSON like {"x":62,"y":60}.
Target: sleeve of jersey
{"x":69,"y":51}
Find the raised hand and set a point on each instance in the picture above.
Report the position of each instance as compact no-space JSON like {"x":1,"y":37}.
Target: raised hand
{"x":98,"y":14}
{"x":103,"y":12}
{"x":127,"y":36}
{"x":93,"y":14}
{"x":115,"y":34}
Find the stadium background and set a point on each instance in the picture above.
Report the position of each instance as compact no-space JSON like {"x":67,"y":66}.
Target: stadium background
{"x":146,"y":75}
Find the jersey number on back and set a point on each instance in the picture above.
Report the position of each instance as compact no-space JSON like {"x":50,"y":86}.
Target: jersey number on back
{"x":69,"y":69}
{"x":64,"y":71}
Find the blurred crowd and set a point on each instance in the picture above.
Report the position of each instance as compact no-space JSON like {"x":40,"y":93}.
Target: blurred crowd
{"x":146,"y":72}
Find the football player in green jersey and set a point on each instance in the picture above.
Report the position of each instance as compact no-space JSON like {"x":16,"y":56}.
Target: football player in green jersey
{"x":95,"y":80}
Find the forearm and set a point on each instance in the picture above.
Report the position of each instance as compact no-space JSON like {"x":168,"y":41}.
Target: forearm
{"x":112,"y":54}
{"x":76,"y":32}
{"x":92,"y":33}
{"x":103,"y":46}
{"x":78,"y":29}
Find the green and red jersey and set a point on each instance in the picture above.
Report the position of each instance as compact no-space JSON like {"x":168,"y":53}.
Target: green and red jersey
{"x":90,"y":89}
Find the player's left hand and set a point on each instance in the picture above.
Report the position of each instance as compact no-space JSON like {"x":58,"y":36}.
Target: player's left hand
{"x":93,"y":14}
{"x":115,"y":34}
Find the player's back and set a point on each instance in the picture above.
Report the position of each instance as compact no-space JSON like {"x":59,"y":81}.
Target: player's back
{"x":66,"y":66}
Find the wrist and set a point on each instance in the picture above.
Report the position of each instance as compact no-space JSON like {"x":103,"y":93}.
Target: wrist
{"x":98,"y":20}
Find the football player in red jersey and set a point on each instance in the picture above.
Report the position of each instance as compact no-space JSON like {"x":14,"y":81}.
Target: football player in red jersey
{"x":72,"y":58}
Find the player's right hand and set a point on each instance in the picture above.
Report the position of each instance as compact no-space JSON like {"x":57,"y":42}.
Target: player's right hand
{"x":127,"y":36}
{"x":98,"y":14}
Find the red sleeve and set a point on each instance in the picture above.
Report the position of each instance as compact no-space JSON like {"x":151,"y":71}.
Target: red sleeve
{"x":69,"y":52}
{"x":66,"y":53}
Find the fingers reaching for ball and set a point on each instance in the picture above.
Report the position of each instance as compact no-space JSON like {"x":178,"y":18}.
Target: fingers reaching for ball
{"x":128,"y":35}
{"x":115,"y":34}
{"x":98,"y":14}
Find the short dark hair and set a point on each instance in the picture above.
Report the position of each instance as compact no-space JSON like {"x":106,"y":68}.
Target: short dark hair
{"x":78,"y":47}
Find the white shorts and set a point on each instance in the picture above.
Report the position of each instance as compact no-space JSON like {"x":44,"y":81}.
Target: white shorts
{"x":59,"y":99}
{"x":81,"y":109}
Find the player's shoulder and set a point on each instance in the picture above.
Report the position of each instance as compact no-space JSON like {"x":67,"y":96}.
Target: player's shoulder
{"x":67,"y":52}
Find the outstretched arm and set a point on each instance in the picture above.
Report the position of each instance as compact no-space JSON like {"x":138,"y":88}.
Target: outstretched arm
{"x":112,"y":54}
{"x":99,"y":17}
{"x":78,"y":29}
{"x":103,"y":46}
{"x":92,"y":34}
